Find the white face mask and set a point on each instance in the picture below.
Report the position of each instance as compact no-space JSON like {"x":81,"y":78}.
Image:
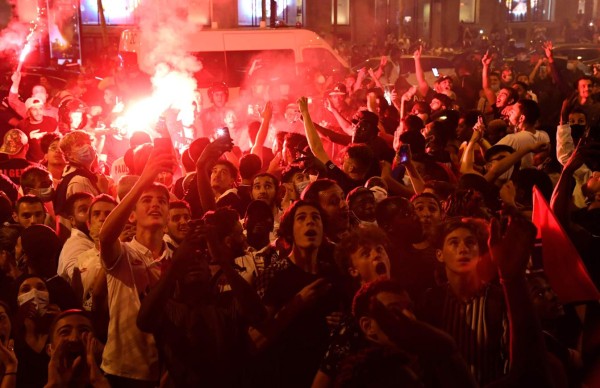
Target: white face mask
{"x":301,"y":186}
{"x":379,"y":192}
{"x":39,"y":298}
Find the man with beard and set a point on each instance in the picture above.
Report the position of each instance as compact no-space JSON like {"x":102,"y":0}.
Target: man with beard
{"x":179,"y":216}
{"x":76,"y":211}
{"x":330,"y":197}
{"x":265,"y":187}
{"x":35,"y":125}
{"x":361,"y":202}
{"x":201,"y":332}
{"x":259,"y":224}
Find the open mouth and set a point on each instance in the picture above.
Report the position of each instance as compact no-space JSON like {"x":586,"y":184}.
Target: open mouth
{"x":155,"y":214}
{"x":311,"y":233}
{"x":380,"y":269}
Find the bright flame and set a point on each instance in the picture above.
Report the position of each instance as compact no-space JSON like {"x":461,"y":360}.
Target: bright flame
{"x":25,"y":52}
{"x":139,"y":116}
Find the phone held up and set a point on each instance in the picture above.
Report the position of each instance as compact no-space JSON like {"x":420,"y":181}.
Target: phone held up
{"x":404,"y":153}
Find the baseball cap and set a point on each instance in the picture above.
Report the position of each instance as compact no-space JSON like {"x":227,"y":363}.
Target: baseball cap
{"x":338,"y":89}
{"x":33,"y":101}
{"x":443,"y":78}
{"x":14,"y":140}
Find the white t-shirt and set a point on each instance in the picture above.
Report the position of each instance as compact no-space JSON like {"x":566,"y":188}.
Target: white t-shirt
{"x":129,"y":352}
{"x":522,"y":139}
{"x":78,"y":243}
{"x":89,"y":265}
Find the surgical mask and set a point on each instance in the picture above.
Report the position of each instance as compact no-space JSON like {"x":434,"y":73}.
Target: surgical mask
{"x":45,"y":194}
{"x":39,"y":299}
{"x":301,"y":186}
{"x":85,"y":155}
{"x":379,"y":192}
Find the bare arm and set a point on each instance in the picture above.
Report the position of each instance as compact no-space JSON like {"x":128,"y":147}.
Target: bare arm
{"x":341,"y":120}
{"x":504,"y":164}
{"x":535,"y":70}
{"x":209,"y":156}
{"x":263,"y":131}
{"x":110,"y":247}
{"x":314,"y":141}
{"x":467,"y":160}
{"x":422,"y":83}
{"x":489,"y":94}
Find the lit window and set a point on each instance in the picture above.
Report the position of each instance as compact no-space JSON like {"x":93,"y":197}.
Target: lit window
{"x":467,"y":11}
{"x":115,"y":12}
{"x":540,"y":10}
{"x":343,"y":12}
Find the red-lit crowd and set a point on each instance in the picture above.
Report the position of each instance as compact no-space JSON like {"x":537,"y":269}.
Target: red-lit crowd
{"x":372,"y":234}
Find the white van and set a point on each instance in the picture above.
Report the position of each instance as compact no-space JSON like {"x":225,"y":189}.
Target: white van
{"x":227,"y":55}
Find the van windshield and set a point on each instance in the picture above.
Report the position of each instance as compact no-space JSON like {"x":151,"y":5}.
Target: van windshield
{"x":234,"y":67}
{"x":320,"y":59}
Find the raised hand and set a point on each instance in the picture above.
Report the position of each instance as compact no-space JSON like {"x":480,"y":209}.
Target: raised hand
{"x":487,"y":59}
{"x":548,"y":47}
{"x":418,"y":52}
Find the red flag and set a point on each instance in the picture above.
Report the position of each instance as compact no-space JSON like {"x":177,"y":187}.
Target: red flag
{"x":562,"y":264}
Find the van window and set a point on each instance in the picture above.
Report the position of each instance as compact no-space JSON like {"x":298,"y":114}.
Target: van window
{"x":323,"y":60}
{"x":407,"y":65}
{"x":213,"y":68}
{"x":270,"y":63}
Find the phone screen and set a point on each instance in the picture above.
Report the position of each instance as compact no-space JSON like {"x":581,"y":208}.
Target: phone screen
{"x":435,"y":71}
{"x":403,"y":153}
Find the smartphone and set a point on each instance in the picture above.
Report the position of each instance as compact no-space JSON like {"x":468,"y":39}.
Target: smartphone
{"x":223,"y":132}
{"x":404,"y":153}
{"x":435,"y":71}
{"x":163,"y":144}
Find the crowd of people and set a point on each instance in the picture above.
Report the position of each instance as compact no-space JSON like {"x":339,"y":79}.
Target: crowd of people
{"x":372,"y":234}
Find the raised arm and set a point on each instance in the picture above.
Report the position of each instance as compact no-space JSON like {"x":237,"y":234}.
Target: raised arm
{"x":263,"y":131}
{"x":511,"y":254}
{"x":489,"y":94}
{"x":504,"y":164}
{"x":314,"y":141}
{"x":535,"y":70}
{"x":209,"y":156}
{"x":110,"y":247}
{"x":562,"y":197}
{"x":421,"y":81}
{"x":13,"y":96}
{"x":467,"y":160}
{"x":341,"y":120}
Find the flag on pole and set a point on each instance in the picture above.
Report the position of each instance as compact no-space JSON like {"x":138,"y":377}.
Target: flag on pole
{"x":566,"y":272}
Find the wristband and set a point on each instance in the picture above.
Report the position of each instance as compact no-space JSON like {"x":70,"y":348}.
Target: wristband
{"x":10,"y":374}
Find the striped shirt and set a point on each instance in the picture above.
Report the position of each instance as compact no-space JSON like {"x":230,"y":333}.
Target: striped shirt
{"x":479,"y":326}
